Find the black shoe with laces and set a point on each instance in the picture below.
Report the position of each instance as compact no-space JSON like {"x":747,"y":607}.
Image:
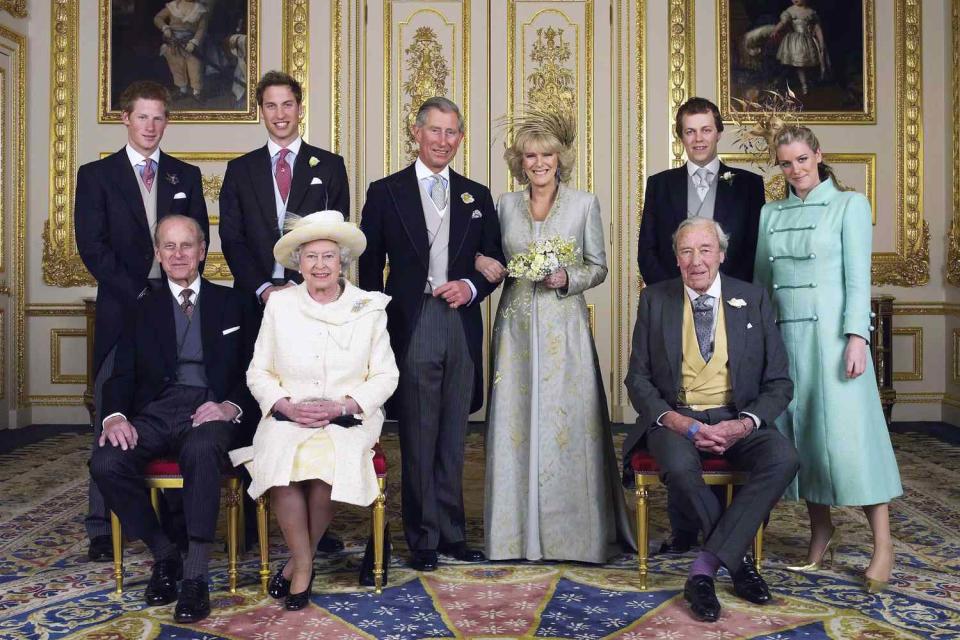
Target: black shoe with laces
{"x":162,"y":588}
{"x":194,"y":602}
{"x":700,"y":593}
{"x":749,"y":584}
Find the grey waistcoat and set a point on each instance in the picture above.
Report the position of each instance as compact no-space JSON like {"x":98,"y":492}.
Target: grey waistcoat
{"x":190,"y":369}
{"x":694,"y":206}
{"x":438,"y":238}
{"x":150,"y":206}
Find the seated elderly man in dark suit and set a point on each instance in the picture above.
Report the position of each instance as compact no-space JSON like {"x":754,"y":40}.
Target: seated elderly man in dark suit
{"x":708,"y":376}
{"x":178,"y":389}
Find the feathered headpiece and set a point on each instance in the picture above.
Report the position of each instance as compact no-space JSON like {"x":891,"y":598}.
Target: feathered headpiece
{"x":759,"y":121}
{"x":537,"y":122}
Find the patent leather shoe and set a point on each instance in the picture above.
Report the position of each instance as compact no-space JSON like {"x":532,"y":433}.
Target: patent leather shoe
{"x":329,"y":543}
{"x":681,"y":542}
{"x":297,"y":601}
{"x":460,"y":551}
{"x":100,"y":549}
{"x":279,"y":586}
{"x":194,"y":602}
{"x":424,"y":561}
{"x":749,"y":584}
{"x":700,"y":594}
{"x":162,"y":588}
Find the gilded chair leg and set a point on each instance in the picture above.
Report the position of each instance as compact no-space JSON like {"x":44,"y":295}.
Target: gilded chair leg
{"x":155,"y":501}
{"x":117,"y":551}
{"x":233,"y":499}
{"x":729,"y":494}
{"x":379,"y":508}
{"x":642,"y":532}
{"x":758,"y":548}
{"x":263,"y":533}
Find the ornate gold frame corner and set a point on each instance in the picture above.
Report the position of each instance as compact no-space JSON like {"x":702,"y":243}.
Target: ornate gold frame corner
{"x":16,"y":8}
{"x":867,"y":116}
{"x":105,"y":114}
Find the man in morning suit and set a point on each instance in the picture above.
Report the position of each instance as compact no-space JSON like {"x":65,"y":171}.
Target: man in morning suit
{"x":118,"y":202}
{"x":703,"y":187}
{"x":287,"y":175}
{"x":431,"y":222}
{"x":178,"y":388}
{"x":708,"y":376}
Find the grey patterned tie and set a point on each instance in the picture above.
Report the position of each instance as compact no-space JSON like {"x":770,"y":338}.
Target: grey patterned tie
{"x":703,"y":323}
{"x":703,"y":182}
{"x":438,"y":191}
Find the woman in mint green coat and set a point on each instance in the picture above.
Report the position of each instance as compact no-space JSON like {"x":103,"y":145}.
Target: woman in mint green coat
{"x":813,"y":255}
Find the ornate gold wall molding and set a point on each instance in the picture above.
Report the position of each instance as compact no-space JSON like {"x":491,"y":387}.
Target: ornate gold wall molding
{"x":336,"y":68}
{"x":909,"y":266}
{"x":683,"y":80}
{"x":429,"y":72}
{"x":16,"y":8}
{"x":926,"y":309}
{"x":953,"y":247}
{"x":56,"y":376}
{"x":916,"y":372}
{"x":295,"y":45}
{"x":956,"y":356}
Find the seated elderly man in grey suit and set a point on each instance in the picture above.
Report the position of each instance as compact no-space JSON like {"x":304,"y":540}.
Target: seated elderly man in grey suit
{"x":708,"y":376}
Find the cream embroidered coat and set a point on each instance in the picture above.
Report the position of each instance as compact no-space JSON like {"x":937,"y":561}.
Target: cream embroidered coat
{"x":308,"y":350}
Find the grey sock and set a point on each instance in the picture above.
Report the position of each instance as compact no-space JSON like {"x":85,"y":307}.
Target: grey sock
{"x":198,"y":559}
{"x":160,"y":546}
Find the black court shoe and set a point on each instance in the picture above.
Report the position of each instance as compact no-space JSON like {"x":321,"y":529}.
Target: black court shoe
{"x":297,"y":601}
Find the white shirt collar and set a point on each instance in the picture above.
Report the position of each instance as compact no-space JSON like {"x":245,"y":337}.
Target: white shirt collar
{"x":175,"y":289}
{"x":713,"y":291}
{"x":424,"y":172}
{"x":273,"y":148}
{"x":136,"y":157}
{"x":713,"y":167}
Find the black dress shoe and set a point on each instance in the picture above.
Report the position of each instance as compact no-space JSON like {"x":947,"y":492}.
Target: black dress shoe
{"x":297,"y":601}
{"x":750,"y":585}
{"x":279,"y":586}
{"x":194,"y":602}
{"x":162,"y":588}
{"x":699,"y":592}
{"x":461,"y":552}
{"x":681,"y":542}
{"x":329,"y":543}
{"x":100,"y":549}
{"x":424,"y":561}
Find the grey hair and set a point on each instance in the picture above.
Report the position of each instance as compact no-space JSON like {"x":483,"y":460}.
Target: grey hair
{"x":176,"y":216}
{"x":346,"y":256}
{"x":699,"y":221}
{"x":441,"y":104}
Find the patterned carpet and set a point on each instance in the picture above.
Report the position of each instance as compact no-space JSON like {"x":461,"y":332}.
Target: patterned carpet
{"x":48,"y":590}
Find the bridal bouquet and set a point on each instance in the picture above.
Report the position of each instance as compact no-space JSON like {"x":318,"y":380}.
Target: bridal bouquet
{"x":543,"y":257}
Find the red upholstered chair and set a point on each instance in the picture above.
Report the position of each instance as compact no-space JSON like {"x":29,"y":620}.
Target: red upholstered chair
{"x":164,"y":473}
{"x":377,"y":524}
{"x":646,"y":471}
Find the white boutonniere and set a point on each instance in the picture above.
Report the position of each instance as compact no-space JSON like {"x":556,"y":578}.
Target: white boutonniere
{"x":466,"y":197}
{"x":736,"y":303}
{"x":728,"y":176}
{"x":313,"y":161}
{"x":172,"y":178}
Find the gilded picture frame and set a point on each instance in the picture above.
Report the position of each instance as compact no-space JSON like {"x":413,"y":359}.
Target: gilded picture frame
{"x":206,"y":56}
{"x":821,"y":51}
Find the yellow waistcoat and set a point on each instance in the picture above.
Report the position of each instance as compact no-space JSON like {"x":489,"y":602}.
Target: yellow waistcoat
{"x":704,"y":385}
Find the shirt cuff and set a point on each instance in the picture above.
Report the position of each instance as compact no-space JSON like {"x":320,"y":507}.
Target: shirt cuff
{"x":239,"y":411}
{"x":756,"y":420}
{"x":260,"y":290}
{"x":473,"y":290}
{"x":102,"y":422}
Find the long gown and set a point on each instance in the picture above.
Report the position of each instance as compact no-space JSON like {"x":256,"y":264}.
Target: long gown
{"x":814,"y":257}
{"x":552,"y":485}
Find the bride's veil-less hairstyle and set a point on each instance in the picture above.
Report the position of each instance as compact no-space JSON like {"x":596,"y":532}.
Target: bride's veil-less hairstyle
{"x":544,"y":131}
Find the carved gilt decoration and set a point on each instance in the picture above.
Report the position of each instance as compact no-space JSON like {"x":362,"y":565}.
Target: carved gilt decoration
{"x":16,"y":8}
{"x":296,"y":49}
{"x":953,"y":248}
{"x":211,"y":185}
{"x":682,"y":70}
{"x":428,"y":77}
{"x":552,"y":85}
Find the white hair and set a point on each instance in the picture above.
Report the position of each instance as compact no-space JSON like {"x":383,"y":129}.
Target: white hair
{"x":699,"y":221}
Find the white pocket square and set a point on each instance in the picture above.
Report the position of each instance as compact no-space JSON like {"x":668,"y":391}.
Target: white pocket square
{"x":476,"y":214}
{"x":180,"y":195}
{"x":231,"y":330}
{"x":316,"y":181}
{"x":749,"y":326}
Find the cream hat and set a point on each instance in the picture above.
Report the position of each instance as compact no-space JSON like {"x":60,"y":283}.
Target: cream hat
{"x":320,"y":225}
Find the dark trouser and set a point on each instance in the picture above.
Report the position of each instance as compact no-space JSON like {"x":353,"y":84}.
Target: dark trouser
{"x":684,"y":523}
{"x":770,"y":459}
{"x":436,"y":383}
{"x":97,"y":522}
{"x":164,"y":427}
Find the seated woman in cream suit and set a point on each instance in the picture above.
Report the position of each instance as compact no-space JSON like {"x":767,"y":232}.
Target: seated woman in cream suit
{"x":322,"y":355}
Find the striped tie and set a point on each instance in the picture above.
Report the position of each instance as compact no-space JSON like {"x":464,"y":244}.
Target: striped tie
{"x":438,"y":192}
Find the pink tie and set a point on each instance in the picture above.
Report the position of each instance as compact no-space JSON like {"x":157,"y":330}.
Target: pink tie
{"x":148,"y":174}
{"x":283,"y":174}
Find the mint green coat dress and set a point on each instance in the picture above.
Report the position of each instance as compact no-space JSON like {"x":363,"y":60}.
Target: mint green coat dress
{"x":814,"y":256}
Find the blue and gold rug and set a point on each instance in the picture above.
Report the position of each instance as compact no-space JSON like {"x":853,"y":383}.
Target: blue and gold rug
{"x":48,"y":590}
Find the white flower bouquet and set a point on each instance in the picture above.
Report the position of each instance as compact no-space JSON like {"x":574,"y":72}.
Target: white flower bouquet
{"x":543,"y":257}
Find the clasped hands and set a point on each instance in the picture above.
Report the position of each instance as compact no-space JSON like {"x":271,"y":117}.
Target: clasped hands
{"x":119,"y":432}
{"x":494,"y":272}
{"x":710,"y":438}
{"x":314,"y":414}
